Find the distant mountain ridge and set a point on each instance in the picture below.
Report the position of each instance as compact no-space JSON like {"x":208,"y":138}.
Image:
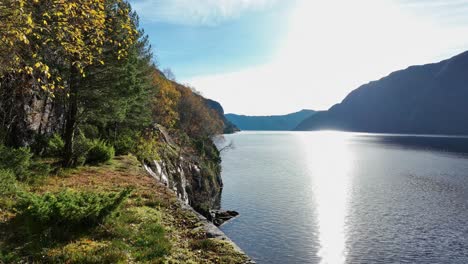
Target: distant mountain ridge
{"x":276,"y":122}
{"x":427,"y":99}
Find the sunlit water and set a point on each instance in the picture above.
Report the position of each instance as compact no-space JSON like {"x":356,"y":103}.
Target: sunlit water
{"x":331,"y":197}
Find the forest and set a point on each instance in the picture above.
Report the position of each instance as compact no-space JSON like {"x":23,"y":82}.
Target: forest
{"x":80,"y":92}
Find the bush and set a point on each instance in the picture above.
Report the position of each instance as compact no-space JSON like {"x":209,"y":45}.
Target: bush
{"x":69,"y":208}
{"x":146,"y":149}
{"x":39,"y":144}
{"x":8,"y":185}
{"x":85,"y":150}
{"x":125,"y":143}
{"x":39,"y":169}
{"x":55,"y":146}
{"x":90,"y":131}
{"x":17,"y":160}
{"x":8,"y":190}
{"x":99,"y":152}
{"x":81,"y":147}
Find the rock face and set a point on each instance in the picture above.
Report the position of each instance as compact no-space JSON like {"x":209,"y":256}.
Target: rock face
{"x":279,"y":122}
{"x":219,"y":217}
{"x":26,"y":113}
{"x":428,"y":99}
{"x":196,"y":181}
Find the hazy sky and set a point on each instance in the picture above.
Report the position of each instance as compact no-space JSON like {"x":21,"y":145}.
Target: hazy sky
{"x":262,"y":57}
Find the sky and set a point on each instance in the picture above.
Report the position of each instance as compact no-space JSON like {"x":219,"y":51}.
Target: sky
{"x":265,"y":57}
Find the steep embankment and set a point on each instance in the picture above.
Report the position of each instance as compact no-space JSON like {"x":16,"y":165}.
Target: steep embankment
{"x":427,"y":99}
{"x":278,"y":122}
{"x":196,"y":179}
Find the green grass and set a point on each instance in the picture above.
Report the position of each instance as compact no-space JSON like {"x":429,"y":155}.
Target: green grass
{"x":149,"y":227}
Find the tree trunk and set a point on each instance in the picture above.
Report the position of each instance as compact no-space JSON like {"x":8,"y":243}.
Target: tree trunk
{"x":71,"y":119}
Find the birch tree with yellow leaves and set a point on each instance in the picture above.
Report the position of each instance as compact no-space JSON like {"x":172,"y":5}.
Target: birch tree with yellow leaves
{"x":54,"y":42}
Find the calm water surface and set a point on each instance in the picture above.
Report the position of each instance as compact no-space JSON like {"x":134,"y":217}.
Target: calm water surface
{"x":331,"y":197}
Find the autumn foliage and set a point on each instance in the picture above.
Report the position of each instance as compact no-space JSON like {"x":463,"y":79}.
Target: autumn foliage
{"x":38,"y":35}
{"x":90,"y":66}
{"x":166,"y":101}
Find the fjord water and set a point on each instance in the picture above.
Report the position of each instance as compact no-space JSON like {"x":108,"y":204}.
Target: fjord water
{"x":333,"y":197}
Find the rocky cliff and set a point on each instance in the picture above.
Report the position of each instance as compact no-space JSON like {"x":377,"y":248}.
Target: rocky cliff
{"x":26,"y":113}
{"x":196,"y":179}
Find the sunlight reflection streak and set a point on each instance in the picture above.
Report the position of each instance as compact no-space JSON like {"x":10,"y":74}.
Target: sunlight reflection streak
{"x":330,"y":167}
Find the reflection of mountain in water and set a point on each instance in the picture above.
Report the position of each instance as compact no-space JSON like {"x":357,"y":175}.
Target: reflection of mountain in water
{"x":437,"y":143}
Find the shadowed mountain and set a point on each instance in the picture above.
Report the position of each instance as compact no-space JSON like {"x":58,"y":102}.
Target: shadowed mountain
{"x":278,"y":122}
{"x":427,"y":99}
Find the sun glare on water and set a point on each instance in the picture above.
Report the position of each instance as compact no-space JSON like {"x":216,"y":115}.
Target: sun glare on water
{"x":330,"y":167}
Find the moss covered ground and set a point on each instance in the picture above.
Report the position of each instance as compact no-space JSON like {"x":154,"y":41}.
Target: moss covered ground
{"x":150,"y":226}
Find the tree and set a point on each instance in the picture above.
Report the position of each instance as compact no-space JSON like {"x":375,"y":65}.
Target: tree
{"x":196,"y":118}
{"x":90,"y":26}
{"x":39,"y":33}
{"x":169,"y":74}
{"x":117,"y":95}
{"x":93,"y":68}
{"x":166,"y":100}
{"x":56,"y":45}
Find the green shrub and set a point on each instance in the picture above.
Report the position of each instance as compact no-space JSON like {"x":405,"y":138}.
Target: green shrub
{"x":8,"y":185}
{"x":99,"y":152}
{"x":39,"y":168}
{"x":8,"y":256}
{"x":39,"y":144}
{"x":90,"y":131}
{"x":17,"y":160}
{"x":81,"y":147}
{"x":146,"y":148}
{"x":69,"y":208}
{"x":8,"y":190}
{"x":124,"y":144}
{"x":55,"y":146}
{"x":85,"y":150}
{"x":206,"y":148}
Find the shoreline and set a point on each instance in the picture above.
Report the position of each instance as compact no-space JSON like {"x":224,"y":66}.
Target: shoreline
{"x":208,"y":227}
